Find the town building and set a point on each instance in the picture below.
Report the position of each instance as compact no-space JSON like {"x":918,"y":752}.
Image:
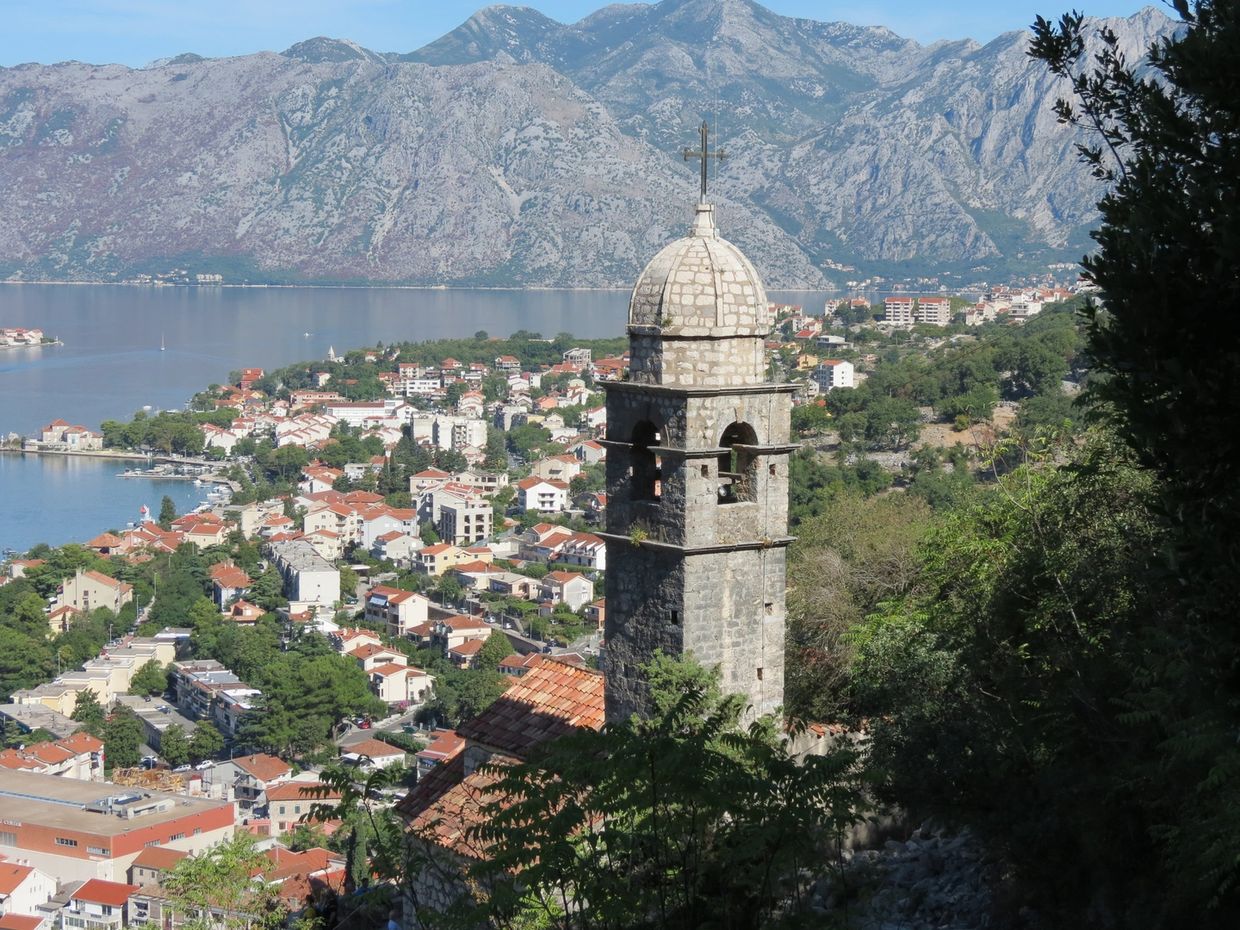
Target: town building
{"x":899,"y":311}
{"x":697,"y":478}
{"x":398,"y":610}
{"x":309,"y":579}
{"x":935,"y":311}
{"x":88,"y":590}
{"x":833,"y":373}
{"x":80,"y":830}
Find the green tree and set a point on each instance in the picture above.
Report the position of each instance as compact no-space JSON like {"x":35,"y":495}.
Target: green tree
{"x":24,"y":662}
{"x":206,"y":743}
{"x":152,"y":678}
{"x":217,"y":887}
{"x":167,"y":512}
{"x":89,"y":712}
{"x":122,"y":740}
{"x":1167,"y":142}
{"x":687,"y":819}
{"x":173,"y":746}
{"x":494,"y":650}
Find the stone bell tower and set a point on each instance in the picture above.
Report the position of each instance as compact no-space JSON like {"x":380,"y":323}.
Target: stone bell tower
{"x":697,"y":477}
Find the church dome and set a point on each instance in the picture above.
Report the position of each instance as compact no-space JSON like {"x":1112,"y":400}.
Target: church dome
{"x":701,"y":285}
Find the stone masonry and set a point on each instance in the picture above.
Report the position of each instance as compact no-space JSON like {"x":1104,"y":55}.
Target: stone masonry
{"x":697,"y":478}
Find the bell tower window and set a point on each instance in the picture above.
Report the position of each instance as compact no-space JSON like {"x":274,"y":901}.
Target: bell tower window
{"x":738,"y":472}
{"x":645,"y":471}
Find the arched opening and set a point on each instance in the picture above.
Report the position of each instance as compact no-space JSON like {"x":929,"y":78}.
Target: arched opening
{"x":645,"y":472}
{"x":738,"y":473}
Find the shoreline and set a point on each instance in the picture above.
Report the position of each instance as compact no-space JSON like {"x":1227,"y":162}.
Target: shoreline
{"x":87,"y":454}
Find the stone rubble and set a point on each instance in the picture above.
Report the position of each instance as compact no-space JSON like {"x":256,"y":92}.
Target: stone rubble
{"x":934,"y":880}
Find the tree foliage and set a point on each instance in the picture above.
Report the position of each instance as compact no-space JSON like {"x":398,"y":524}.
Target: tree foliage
{"x":688,"y":819}
{"x":215,"y":889}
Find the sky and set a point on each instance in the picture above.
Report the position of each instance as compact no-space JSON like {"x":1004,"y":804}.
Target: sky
{"x":136,"y":32}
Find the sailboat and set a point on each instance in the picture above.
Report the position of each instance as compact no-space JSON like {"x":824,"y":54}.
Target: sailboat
{"x":162,"y":347}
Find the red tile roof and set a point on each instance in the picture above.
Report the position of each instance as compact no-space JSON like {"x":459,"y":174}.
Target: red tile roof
{"x":447,"y":804}
{"x":301,"y":791}
{"x":376,"y":749}
{"x":20,"y":922}
{"x":264,"y":767}
{"x":12,"y":875}
{"x":98,"y":891}
{"x":551,"y":700}
{"x":159,"y":857}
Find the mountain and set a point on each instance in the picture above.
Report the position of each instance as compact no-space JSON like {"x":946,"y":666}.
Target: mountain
{"x":518,"y":150}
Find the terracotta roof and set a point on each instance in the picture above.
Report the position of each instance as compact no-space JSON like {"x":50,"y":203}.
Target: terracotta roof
{"x":105,"y":541}
{"x":20,"y":922}
{"x":376,"y":749}
{"x":458,"y":622}
{"x":98,"y":891}
{"x":444,"y":744}
{"x":229,"y":576}
{"x":388,"y":669}
{"x":264,"y":767}
{"x":300,"y":791}
{"x":12,"y":875}
{"x":370,"y":649}
{"x":468,"y":648}
{"x":552,"y":700}
{"x":446,"y":805}
{"x":81,"y":742}
{"x":159,"y":857}
{"x":105,"y":580}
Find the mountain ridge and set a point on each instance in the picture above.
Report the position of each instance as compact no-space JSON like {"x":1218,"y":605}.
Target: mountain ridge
{"x":524,"y":151}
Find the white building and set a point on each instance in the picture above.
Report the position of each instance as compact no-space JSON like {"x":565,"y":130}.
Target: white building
{"x":547,"y":496}
{"x":309,"y":579}
{"x":936,"y":311}
{"x":899,"y":311}
{"x":833,"y":373}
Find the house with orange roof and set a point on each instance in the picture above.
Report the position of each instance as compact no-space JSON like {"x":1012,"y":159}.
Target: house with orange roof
{"x":570,"y":588}
{"x":396,"y":546}
{"x":437,"y":559}
{"x":396,"y":609}
{"x":98,"y":905}
{"x":347,"y":639}
{"x":203,"y":529}
{"x":373,"y":754}
{"x":23,"y":888}
{"x":243,"y":613}
{"x":106,"y":544}
{"x":466,"y":654}
{"x":543,"y":541}
{"x":88,"y":590}
{"x":228,"y":582}
{"x":153,"y":863}
{"x":369,"y":655}
{"x":61,"y":618}
{"x":444,"y":746}
{"x":596,"y":613}
{"x":449,"y":632}
{"x":252,"y":776}
{"x":542,"y":495}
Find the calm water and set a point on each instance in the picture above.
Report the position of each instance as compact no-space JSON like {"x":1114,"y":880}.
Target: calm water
{"x":111,"y":365}
{"x":56,"y":499}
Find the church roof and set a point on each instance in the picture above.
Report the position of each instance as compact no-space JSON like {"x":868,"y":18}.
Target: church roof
{"x":701,"y":285}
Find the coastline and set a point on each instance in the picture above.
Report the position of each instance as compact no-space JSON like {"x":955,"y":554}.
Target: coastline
{"x":88,"y":454}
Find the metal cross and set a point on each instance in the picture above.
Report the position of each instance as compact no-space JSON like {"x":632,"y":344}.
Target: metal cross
{"x":704,"y":154}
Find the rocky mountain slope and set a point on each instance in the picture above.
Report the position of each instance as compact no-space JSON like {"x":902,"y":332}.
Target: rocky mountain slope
{"x":517,"y":150}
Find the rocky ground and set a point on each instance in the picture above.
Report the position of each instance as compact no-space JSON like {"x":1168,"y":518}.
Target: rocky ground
{"x":934,"y":880}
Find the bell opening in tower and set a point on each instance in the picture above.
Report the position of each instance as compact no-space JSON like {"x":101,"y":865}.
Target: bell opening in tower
{"x":738,"y":465}
{"x":645,"y":468}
